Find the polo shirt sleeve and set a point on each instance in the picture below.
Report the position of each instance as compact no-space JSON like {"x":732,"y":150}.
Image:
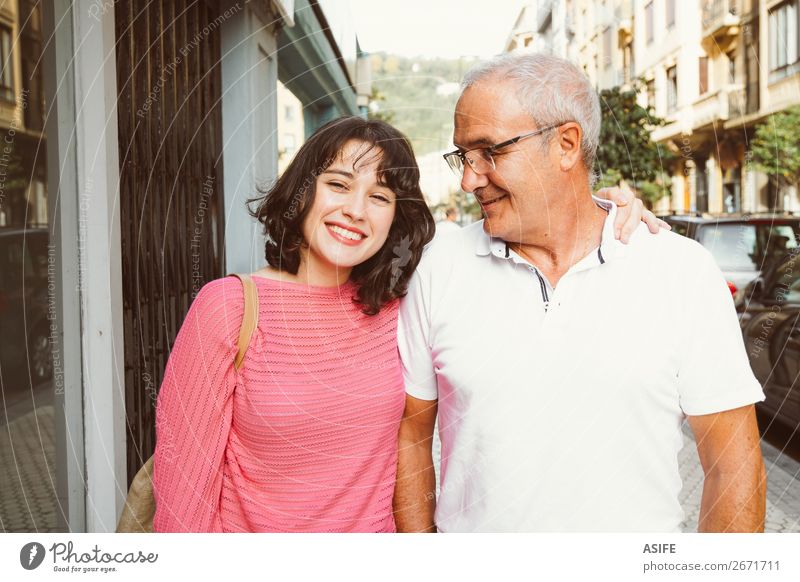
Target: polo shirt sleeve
{"x":413,"y":339}
{"x":714,"y":372}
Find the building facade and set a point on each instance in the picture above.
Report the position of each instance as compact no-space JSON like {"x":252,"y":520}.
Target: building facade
{"x":163,"y":120}
{"x":713,"y":69}
{"x":23,"y":189}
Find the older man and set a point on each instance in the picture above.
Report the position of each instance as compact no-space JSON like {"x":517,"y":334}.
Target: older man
{"x":563,"y":362}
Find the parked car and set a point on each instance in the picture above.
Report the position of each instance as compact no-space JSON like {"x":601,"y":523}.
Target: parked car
{"x":741,"y":244}
{"x":769,"y":314}
{"x":24,"y":343}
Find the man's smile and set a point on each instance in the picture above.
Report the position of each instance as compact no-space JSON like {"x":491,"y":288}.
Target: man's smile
{"x":484,"y":202}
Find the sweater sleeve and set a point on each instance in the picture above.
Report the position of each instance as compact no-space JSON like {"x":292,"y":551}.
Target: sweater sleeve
{"x":194,"y":411}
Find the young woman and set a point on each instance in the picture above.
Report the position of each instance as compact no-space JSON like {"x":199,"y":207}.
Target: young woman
{"x":303,"y":436}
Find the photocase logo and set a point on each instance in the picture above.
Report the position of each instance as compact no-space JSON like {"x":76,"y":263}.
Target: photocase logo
{"x":31,"y":555}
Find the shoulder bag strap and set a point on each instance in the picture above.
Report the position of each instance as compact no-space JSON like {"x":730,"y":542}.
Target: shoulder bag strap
{"x":250,"y":319}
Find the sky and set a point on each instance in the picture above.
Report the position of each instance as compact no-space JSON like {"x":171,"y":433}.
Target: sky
{"x":434,"y":28}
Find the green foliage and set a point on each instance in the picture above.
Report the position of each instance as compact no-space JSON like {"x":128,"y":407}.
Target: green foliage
{"x":626,"y":151}
{"x":377,"y":109}
{"x":775,"y":146}
{"x":407,"y":92}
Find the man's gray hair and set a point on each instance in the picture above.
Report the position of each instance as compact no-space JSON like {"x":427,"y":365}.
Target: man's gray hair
{"x":552,"y":89}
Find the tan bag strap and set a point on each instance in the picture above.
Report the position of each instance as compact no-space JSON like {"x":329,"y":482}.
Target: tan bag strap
{"x":250,"y":319}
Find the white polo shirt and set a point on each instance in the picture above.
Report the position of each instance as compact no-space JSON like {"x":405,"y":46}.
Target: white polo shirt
{"x":568,"y":418}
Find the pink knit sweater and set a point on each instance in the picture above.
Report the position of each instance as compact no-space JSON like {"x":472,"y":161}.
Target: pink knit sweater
{"x":303,"y":438}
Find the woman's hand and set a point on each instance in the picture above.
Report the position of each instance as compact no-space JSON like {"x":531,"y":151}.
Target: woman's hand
{"x":630,"y":212}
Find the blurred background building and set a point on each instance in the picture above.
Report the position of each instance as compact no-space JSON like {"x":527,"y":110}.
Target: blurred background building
{"x":23,"y":198}
{"x":158,"y":121}
{"x":713,"y":69}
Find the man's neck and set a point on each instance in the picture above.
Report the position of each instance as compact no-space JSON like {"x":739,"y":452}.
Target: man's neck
{"x":570,"y":237}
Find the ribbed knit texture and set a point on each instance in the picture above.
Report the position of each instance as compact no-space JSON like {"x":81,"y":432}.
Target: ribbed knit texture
{"x":303,"y":438}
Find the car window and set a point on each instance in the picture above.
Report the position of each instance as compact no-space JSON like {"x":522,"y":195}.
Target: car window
{"x":680,"y":228}
{"x":776,"y":239}
{"x":733,"y":245}
{"x":36,"y":257}
{"x":786,"y":282}
{"x":748,"y":246}
{"x":11,"y":263}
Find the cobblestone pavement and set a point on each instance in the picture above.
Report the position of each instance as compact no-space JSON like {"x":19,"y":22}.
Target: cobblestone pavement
{"x":27,"y":466}
{"x":783,"y":485}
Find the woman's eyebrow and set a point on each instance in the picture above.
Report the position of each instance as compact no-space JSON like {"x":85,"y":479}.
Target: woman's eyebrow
{"x":340,"y":172}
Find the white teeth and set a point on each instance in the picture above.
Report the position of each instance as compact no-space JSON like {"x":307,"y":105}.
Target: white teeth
{"x":345,"y":233}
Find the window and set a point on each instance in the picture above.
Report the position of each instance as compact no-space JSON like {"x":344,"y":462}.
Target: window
{"x":7,"y":64}
{"x":607,"y":44}
{"x":787,"y":282}
{"x":288,"y":113}
{"x":672,"y":89}
{"x":733,"y":245}
{"x":670,"y":13}
{"x":678,"y":227}
{"x":783,"y":40}
{"x":731,"y":67}
{"x":746,"y":246}
{"x":651,"y":94}
{"x":648,"y":18}
{"x":289,"y":143}
{"x":703,"y":74}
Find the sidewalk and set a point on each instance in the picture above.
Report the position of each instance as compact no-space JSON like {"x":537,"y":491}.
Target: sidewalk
{"x":27,"y":465}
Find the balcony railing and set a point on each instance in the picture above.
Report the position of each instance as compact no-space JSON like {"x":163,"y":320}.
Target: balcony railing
{"x":743,"y":101}
{"x":737,"y":103}
{"x":720,"y":14}
{"x":726,"y":103}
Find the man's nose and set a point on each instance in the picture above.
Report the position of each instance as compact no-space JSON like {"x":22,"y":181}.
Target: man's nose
{"x":471,"y":181}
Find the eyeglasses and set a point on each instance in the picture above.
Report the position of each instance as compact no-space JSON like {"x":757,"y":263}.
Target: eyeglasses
{"x":481,"y":160}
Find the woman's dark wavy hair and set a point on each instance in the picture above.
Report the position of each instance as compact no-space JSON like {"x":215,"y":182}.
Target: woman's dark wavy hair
{"x":283,"y":207}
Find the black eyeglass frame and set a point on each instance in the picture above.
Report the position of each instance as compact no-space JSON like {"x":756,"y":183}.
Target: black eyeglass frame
{"x":490,"y":150}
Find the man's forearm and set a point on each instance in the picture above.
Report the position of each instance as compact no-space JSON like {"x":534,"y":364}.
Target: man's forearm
{"x":734,"y":502}
{"x":415,"y":491}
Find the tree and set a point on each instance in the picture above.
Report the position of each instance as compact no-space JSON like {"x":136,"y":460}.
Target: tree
{"x":775,"y":147}
{"x":377,"y":102}
{"x":626,"y":151}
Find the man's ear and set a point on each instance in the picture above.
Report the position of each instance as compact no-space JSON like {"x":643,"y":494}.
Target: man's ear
{"x":569,"y":142}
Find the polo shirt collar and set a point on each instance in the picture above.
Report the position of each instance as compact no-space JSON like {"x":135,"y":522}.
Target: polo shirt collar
{"x":610,"y":247}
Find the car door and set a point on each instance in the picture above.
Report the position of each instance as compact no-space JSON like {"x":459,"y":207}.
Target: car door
{"x":771,"y":330}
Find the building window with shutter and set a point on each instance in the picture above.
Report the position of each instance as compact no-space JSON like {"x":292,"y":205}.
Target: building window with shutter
{"x":7,"y":64}
{"x":672,"y":89}
{"x":703,"y":75}
{"x":670,"y":13}
{"x":784,"y":40}
{"x":651,"y":94}
{"x":607,"y":44}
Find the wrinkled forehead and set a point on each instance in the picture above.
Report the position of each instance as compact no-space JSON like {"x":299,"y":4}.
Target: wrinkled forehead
{"x":487,"y":112}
